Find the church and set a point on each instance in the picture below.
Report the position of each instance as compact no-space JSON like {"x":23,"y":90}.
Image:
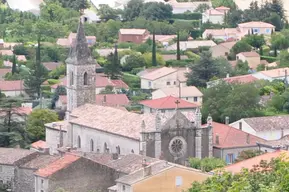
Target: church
{"x":92,"y":128}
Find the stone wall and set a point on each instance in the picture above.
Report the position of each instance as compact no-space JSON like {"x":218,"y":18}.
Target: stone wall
{"x":85,"y":176}
{"x":24,"y":180}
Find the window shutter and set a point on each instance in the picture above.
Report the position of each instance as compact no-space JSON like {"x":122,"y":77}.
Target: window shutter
{"x":233,"y":155}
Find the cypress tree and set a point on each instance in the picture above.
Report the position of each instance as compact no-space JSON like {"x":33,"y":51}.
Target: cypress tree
{"x":14,"y":69}
{"x":154,"y":54}
{"x":178,"y":47}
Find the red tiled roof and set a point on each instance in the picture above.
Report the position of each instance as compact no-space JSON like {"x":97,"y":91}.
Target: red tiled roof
{"x":168,"y":103}
{"x":119,"y":84}
{"x":11,"y":85}
{"x":112,"y":99}
{"x":241,"y":79}
{"x":57,"y":165}
{"x":250,"y":163}
{"x":230,"y":137}
{"x":39,"y":145}
{"x":21,"y":58}
{"x":51,"y":65}
{"x":222,"y":8}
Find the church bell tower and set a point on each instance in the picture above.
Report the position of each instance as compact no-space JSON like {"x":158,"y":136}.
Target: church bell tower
{"x":80,"y":72}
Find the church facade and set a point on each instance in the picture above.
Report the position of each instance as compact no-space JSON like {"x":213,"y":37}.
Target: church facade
{"x":91,"y":128}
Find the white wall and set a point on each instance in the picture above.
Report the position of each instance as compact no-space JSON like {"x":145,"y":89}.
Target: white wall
{"x":13,"y":93}
{"x":101,"y":137}
{"x":52,"y":139}
{"x":216,"y":19}
{"x":161,"y":82}
{"x":41,"y":184}
{"x":245,"y":127}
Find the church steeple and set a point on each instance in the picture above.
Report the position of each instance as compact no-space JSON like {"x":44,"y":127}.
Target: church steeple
{"x":79,"y":51}
{"x":80,"y":72}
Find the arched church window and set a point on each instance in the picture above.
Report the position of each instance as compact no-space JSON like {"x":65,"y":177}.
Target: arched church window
{"x":91,"y":145}
{"x":78,"y":142}
{"x":71,"y":78}
{"x":118,"y":150}
{"x":85,"y":79}
{"x":132,"y":151}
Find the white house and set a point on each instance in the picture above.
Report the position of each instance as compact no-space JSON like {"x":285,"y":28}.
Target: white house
{"x":12,"y":88}
{"x":268,"y":128}
{"x":168,"y":105}
{"x":273,"y":74}
{"x":216,"y":16}
{"x":184,"y":45}
{"x":163,"y":78}
{"x":191,"y":93}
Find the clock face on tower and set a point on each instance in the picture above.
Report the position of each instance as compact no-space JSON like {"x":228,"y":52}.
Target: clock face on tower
{"x":178,"y":146}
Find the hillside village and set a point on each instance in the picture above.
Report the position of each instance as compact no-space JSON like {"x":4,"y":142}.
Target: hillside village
{"x":144,"y":95}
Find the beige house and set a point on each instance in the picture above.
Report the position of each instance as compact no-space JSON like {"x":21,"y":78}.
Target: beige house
{"x":243,"y":29}
{"x":191,"y":93}
{"x":253,"y":58}
{"x":185,"y":45}
{"x":223,"y":49}
{"x":164,"y":77}
{"x":216,"y":15}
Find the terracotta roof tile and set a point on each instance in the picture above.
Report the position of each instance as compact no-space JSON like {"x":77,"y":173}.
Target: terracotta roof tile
{"x":250,"y":54}
{"x":230,"y":137}
{"x":222,"y":8}
{"x":21,"y":58}
{"x":268,"y":123}
{"x":161,"y":72}
{"x":57,"y":165}
{"x":241,"y":79}
{"x":9,"y":156}
{"x":280,"y":72}
{"x":4,"y":71}
{"x":256,"y":24}
{"x":132,"y":31}
{"x":118,"y":83}
{"x":112,"y":99}
{"x":11,"y":85}
{"x":168,"y":102}
{"x":40,"y":161}
{"x":6,"y":52}
{"x":214,"y":12}
{"x":282,"y":143}
{"x":250,"y":163}
{"x":112,"y":120}
{"x":39,"y":145}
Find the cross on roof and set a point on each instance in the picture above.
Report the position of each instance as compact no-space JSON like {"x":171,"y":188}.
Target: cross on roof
{"x":177,"y":102}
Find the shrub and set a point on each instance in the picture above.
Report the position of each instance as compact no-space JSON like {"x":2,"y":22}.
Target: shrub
{"x":53,"y":81}
{"x":269,"y":59}
{"x":187,"y":16}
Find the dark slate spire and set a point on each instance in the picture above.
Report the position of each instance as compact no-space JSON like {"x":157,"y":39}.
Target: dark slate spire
{"x":79,"y":51}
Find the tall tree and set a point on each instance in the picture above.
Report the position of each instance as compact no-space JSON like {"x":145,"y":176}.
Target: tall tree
{"x":37,"y":75}
{"x":133,"y":9}
{"x":12,"y":131}
{"x":14,"y":67}
{"x":112,"y":68}
{"x":204,"y":70}
{"x":178,"y":46}
{"x":154,"y":51}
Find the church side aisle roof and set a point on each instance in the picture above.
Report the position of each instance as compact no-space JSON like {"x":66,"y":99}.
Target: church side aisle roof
{"x":112,"y":120}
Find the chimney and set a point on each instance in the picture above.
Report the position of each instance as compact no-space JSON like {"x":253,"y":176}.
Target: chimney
{"x":147,"y":171}
{"x":104,"y":99}
{"x":114,"y":156}
{"x":217,"y":139}
{"x":227,"y":120}
{"x":240,"y":125}
{"x":248,"y":138}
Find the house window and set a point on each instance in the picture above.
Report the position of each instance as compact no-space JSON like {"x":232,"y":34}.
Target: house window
{"x":123,"y":188}
{"x":151,"y":110}
{"x":42,"y":182}
{"x":1,"y":182}
{"x":168,"y":83}
{"x":175,"y":83}
{"x":91,"y":145}
{"x":230,"y":158}
{"x":268,"y":31}
{"x":78,"y":142}
{"x":187,"y":98}
{"x":85,"y":80}
{"x":255,"y":30}
{"x":162,"y":111}
{"x":226,"y":53}
{"x":150,"y":83}
{"x":41,"y":191}
{"x":89,"y":41}
{"x":118,"y":150}
{"x":132,"y":151}
{"x":195,"y":99}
